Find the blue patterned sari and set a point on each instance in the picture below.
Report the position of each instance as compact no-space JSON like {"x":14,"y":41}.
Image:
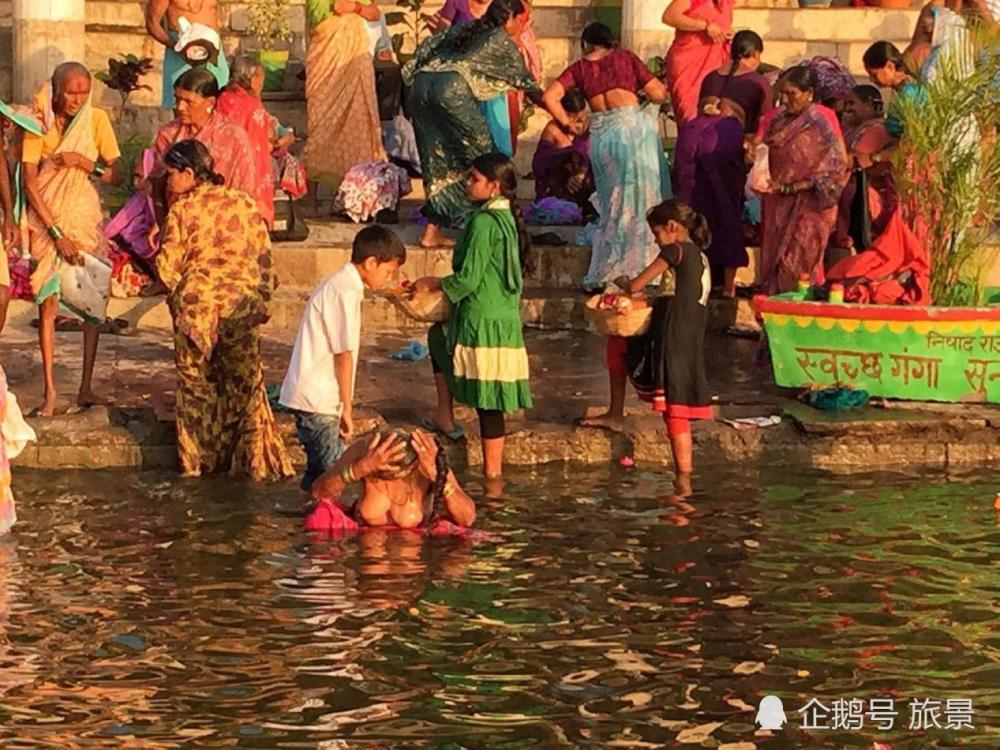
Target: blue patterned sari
{"x":631,"y":175}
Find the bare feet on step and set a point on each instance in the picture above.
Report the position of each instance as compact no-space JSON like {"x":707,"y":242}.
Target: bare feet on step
{"x":603,"y":422}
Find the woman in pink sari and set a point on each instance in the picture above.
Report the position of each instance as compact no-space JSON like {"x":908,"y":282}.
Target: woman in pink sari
{"x":703,"y":29}
{"x":197,"y":93}
{"x":809,"y":168}
{"x":240,"y":104}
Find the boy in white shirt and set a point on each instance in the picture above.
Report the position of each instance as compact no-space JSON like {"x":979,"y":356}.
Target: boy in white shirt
{"x":319,"y":385}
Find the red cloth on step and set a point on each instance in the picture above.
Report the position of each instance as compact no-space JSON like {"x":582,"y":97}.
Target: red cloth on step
{"x":876,"y":275}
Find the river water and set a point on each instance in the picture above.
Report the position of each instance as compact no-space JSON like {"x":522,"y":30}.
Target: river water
{"x":138,"y":610}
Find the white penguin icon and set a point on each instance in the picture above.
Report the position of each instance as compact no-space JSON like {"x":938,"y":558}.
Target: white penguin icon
{"x":771,"y":713}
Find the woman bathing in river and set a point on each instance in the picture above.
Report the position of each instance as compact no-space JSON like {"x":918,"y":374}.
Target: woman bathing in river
{"x":406,"y":482}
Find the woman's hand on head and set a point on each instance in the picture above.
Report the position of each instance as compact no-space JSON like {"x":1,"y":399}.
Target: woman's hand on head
{"x":426,"y":449}
{"x":385,"y":453}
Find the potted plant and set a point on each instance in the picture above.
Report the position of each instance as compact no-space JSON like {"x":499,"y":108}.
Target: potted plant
{"x":268,"y":21}
{"x":124,"y":75}
{"x":413,"y":19}
{"x":947,"y":175}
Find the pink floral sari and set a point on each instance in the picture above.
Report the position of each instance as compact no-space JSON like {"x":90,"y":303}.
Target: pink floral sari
{"x":796,"y":228}
{"x":229,"y":146}
{"x":246,"y":111}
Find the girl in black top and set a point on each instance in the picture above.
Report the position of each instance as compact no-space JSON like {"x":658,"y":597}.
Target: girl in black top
{"x":667,"y":363}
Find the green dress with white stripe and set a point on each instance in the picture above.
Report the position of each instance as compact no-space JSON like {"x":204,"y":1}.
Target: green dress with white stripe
{"x":481,"y":351}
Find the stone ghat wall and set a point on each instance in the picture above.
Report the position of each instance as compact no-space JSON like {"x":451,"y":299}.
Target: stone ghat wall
{"x":117,"y":27}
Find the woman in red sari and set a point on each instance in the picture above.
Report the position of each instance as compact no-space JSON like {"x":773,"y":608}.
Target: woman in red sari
{"x":809,"y":168}
{"x":240,"y":104}
{"x":701,"y":45}
{"x":866,"y":136}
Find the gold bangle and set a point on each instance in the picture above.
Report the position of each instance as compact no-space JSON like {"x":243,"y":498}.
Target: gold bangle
{"x":347,"y":475}
{"x":449,"y":489}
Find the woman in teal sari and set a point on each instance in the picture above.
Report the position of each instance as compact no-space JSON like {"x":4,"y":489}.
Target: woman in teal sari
{"x":451,"y":74}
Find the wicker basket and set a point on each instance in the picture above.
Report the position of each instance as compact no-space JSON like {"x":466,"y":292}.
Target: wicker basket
{"x":635,"y":322}
{"x":433,"y":307}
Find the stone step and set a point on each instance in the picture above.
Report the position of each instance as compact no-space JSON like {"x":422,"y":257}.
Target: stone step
{"x":553,"y":310}
{"x":304,"y":264}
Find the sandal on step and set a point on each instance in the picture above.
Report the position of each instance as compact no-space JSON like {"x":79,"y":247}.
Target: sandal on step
{"x":453,"y":435}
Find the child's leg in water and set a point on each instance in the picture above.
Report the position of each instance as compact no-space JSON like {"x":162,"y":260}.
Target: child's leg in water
{"x":614,"y":418}
{"x":679,"y":432}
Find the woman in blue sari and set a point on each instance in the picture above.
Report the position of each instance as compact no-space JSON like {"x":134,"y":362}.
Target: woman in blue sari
{"x":631,"y":173}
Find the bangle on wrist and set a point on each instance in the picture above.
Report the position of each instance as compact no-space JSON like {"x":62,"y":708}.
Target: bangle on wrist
{"x":55,"y":233}
{"x":99,"y":170}
{"x":449,"y":489}
{"x":347,"y":475}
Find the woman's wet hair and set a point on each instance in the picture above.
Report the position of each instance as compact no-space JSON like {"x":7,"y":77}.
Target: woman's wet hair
{"x":499,"y":12}
{"x":680,"y":212}
{"x":870,"y":95}
{"x":496,"y":167}
{"x":242,"y":71}
{"x":598,"y":35}
{"x":193,"y":155}
{"x":801,"y":77}
{"x":880,"y":54}
{"x":200,"y":81}
{"x":574,"y":101}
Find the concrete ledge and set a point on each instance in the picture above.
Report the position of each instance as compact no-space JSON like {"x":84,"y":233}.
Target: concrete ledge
{"x":871,"y":439}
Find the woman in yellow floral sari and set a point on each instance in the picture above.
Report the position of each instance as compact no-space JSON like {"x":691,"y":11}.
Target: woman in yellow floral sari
{"x":65,"y":210}
{"x":215,"y":259}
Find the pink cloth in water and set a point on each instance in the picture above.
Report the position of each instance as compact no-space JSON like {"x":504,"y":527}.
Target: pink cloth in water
{"x":329,"y":518}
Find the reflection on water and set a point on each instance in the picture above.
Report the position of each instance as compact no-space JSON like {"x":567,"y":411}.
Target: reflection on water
{"x":138,"y":610}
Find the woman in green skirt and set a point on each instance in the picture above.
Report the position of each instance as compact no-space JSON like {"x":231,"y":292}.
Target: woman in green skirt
{"x":479,"y":356}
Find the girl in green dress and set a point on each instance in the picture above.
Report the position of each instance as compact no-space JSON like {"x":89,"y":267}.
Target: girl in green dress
{"x":479,"y":356}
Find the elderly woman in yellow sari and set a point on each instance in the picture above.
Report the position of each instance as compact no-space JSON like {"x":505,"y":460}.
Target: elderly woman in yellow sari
{"x":215,"y":259}
{"x":65,"y":210}
{"x":341,"y":102}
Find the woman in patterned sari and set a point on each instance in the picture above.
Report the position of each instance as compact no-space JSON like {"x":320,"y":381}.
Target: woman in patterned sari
{"x":341,"y":102}
{"x":451,"y":74}
{"x":809,"y":169}
{"x":215,"y":259}
{"x":197,"y":96}
{"x":65,"y":214}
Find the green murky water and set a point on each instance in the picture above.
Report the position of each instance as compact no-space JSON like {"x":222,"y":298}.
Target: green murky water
{"x":140,"y":611}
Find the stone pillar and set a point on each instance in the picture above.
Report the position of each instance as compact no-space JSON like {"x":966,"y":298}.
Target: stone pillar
{"x":46,"y":33}
{"x":642,"y":30}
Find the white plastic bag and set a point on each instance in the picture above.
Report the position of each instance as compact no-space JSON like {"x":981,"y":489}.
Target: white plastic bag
{"x":84,"y":289}
{"x":759,"y":179}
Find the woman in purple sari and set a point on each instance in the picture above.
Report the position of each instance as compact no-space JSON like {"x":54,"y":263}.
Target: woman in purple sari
{"x":561,"y":164}
{"x":710,"y":167}
{"x":809,"y":168}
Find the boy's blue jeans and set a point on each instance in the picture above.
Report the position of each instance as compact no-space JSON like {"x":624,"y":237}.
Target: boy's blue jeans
{"x":320,"y":438}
